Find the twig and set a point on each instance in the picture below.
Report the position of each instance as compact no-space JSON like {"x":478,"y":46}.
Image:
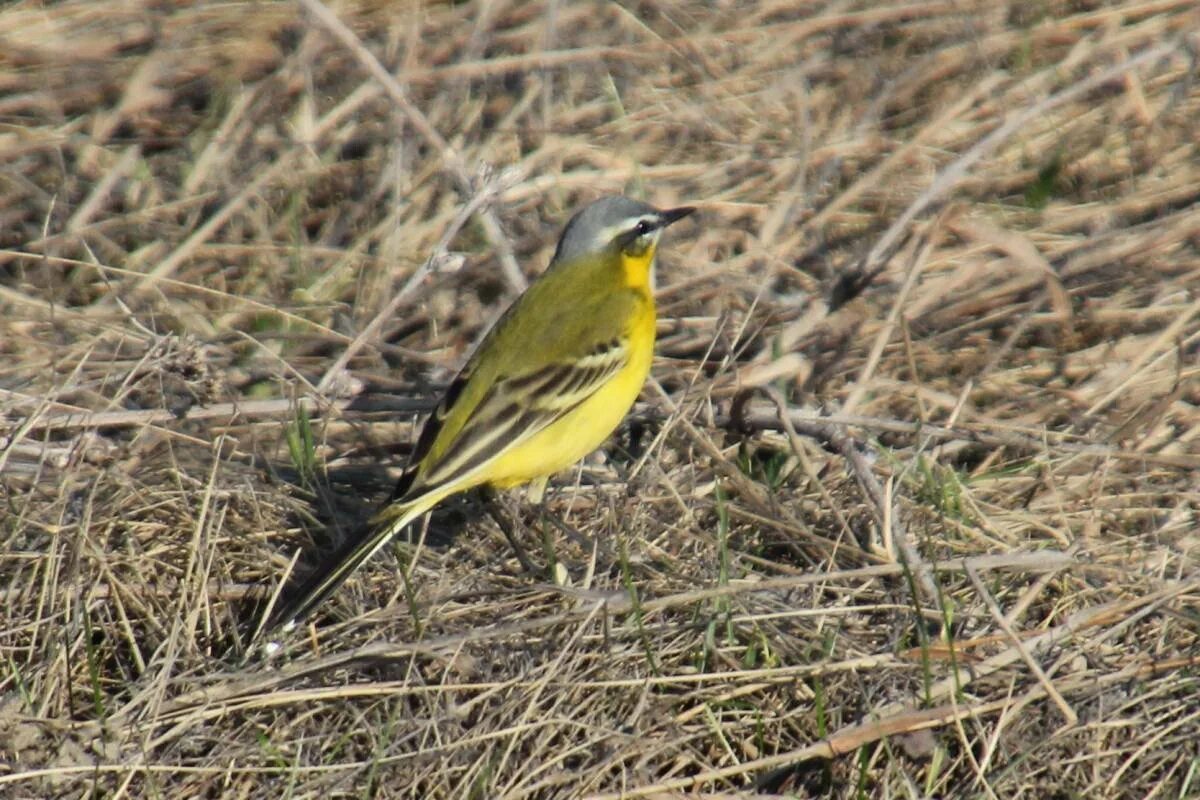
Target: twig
{"x":998,"y":615}
{"x":451,"y":160}
{"x":953,"y":175}
{"x":477,"y":200}
{"x":880,"y":500}
{"x":814,"y":424}
{"x":85,"y":420}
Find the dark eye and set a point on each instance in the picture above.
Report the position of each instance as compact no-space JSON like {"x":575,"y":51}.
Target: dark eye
{"x":643,"y":228}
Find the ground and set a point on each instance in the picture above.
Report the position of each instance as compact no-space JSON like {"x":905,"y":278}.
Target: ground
{"x":908,"y":508}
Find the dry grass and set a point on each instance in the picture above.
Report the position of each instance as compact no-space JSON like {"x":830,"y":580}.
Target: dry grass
{"x":909,"y":510}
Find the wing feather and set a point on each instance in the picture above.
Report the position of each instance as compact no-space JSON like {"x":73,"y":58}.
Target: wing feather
{"x":517,"y":407}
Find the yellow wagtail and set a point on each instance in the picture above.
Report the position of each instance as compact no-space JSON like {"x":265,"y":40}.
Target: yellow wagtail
{"x":546,"y":386}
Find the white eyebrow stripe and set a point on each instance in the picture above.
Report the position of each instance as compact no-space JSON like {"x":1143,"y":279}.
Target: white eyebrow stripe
{"x":606,"y":235}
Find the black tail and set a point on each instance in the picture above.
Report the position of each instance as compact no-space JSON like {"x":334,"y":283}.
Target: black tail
{"x":334,"y":572}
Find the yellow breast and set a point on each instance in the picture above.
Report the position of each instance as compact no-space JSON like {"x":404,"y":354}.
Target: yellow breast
{"x":583,"y":430}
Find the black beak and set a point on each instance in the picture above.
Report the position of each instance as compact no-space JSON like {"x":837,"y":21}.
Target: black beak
{"x":672,"y":215}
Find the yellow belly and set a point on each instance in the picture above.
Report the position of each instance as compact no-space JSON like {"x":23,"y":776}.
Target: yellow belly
{"x":583,"y":430}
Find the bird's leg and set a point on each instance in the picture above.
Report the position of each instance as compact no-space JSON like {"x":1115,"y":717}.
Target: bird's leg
{"x":492,"y":503}
{"x":536,"y":494}
{"x":581,"y":539}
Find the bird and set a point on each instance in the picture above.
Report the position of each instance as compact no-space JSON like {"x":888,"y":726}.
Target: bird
{"x":549,"y":382}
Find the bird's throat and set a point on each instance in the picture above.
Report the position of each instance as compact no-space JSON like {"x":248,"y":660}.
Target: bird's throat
{"x":638,"y":270}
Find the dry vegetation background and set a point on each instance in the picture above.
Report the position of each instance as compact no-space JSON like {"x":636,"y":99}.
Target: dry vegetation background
{"x":910,"y":508}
